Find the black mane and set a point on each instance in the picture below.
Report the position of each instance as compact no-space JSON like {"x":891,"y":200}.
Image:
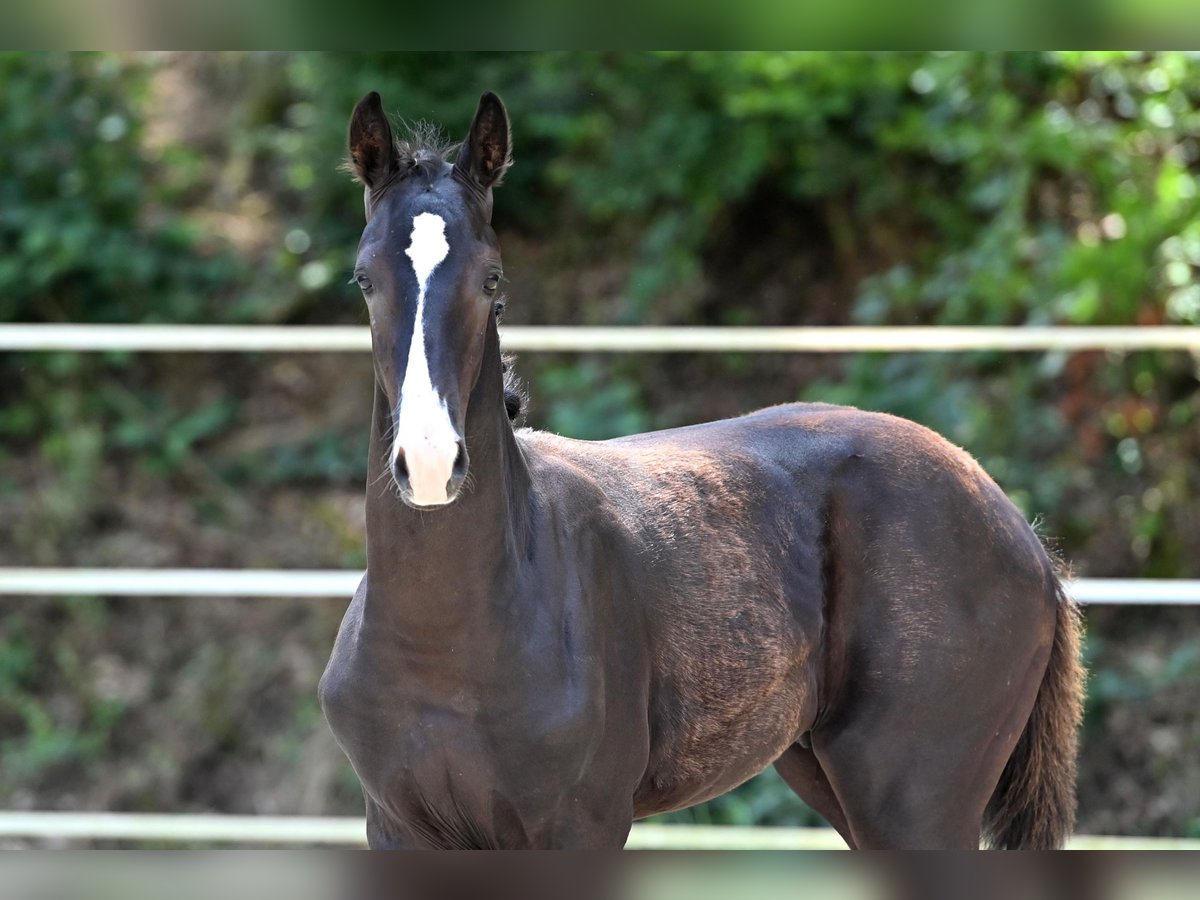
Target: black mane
{"x":516,"y":398}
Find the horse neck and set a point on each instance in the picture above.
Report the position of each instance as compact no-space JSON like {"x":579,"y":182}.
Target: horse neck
{"x":436,"y":569}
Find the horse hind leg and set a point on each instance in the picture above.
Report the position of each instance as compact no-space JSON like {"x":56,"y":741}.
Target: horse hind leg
{"x":913,"y":758}
{"x":939,"y":620}
{"x":802,"y":772}
{"x":896,"y":798}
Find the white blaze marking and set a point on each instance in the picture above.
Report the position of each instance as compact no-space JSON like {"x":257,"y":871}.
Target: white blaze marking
{"x":423,"y":428}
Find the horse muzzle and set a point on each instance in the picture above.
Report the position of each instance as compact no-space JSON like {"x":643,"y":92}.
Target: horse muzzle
{"x":429,"y":472}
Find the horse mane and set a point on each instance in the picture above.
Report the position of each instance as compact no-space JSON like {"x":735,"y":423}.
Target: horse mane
{"x":516,"y":398}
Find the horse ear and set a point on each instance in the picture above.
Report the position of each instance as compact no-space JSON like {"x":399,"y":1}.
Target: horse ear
{"x":486,"y":154}
{"x":373,"y":155}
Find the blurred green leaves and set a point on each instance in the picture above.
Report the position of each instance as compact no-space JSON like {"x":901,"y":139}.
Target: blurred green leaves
{"x":79,"y":240}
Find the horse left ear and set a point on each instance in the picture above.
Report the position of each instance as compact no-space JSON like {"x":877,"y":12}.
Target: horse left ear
{"x":486,"y":154}
{"x":372,"y":150}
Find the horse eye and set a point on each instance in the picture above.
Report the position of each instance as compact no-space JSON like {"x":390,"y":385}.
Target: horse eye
{"x":493,"y":282}
{"x":363,"y":282}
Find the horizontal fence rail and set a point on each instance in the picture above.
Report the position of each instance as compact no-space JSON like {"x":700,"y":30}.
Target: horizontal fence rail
{"x":619,"y":339}
{"x":348,"y":831}
{"x":340,"y":583}
{"x":111,"y":582}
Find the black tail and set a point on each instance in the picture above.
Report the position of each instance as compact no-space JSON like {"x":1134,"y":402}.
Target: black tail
{"x":1033,"y":807}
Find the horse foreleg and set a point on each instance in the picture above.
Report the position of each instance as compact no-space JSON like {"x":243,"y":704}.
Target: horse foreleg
{"x":799,"y":768}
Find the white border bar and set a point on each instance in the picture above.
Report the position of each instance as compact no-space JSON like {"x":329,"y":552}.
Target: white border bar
{"x":631,"y":339}
{"x":341,"y":583}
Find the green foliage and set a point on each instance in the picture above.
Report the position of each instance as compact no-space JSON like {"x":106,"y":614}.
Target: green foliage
{"x":40,"y":740}
{"x":83,"y":236}
{"x":1147,"y":676}
{"x":328,"y":457}
{"x":586,"y":404}
{"x":164,"y":437}
{"x":87,"y":234}
{"x":765,"y":800}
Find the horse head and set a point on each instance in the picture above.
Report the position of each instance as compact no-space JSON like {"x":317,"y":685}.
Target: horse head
{"x":429,"y":268}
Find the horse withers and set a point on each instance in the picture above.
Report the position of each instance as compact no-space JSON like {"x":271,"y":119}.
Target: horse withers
{"x":555,"y":638}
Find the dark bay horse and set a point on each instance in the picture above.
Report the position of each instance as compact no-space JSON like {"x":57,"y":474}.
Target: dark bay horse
{"x":557,"y":637}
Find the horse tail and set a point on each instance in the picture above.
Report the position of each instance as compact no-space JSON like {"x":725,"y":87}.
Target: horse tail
{"x":1033,"y":806}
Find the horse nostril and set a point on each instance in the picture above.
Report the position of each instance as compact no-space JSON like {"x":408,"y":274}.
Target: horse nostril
{"x":400,"y":469}
{"x":458,"y":472}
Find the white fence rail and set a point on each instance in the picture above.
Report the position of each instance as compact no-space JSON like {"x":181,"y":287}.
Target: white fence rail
{"x":345,"y":830}
{"x":632,"y":339}
{"x":339,"y":583}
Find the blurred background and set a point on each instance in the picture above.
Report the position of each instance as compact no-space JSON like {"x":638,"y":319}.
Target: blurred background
{"x":677,"y":188}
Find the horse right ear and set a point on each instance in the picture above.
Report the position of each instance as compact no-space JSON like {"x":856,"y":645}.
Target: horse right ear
{"x":373,"y":157}
{"x":486,"y":154}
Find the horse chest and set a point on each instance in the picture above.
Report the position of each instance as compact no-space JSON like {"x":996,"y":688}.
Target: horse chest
{"x":467,"y":759}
